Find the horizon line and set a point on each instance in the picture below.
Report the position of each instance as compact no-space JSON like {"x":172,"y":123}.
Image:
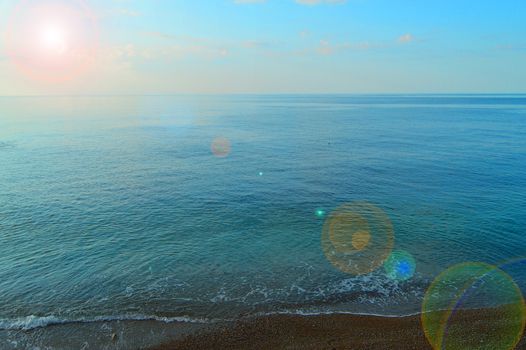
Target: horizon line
{"x":280,"y":94}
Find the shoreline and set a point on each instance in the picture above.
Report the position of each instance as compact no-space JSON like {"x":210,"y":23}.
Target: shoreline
{"x":280,"y":330}
{"x":329,"y":331}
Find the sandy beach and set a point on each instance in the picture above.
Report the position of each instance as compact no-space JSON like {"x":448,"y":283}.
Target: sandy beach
{"x":324,"y":332}
{"x":311,"y":332}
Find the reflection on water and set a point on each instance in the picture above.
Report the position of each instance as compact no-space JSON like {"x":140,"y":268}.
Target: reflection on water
{"x":116,"y":206}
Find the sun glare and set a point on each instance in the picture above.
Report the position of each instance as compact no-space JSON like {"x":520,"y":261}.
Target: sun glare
{"x":52,"y":40}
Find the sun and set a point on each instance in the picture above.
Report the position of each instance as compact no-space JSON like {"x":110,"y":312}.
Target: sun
{"x":52,"y":40}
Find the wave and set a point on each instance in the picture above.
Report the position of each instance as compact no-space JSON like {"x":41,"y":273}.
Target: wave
{"x":359,"y":292}
{"x":33,"y":322}
{"x":365,"y":295}
{"x":322,"y":313}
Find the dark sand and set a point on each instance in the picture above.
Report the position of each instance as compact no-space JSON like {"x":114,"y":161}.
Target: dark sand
{"x":311,"y":332}
{"x":320,"y":332}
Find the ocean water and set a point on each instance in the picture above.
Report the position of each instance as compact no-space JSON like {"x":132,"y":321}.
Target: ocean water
{"x":115,"y":208}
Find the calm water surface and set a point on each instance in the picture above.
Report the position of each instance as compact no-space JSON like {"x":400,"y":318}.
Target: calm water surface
{"x":116,"y":208}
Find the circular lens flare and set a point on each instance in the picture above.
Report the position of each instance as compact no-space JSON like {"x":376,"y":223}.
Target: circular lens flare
{"x":360,"y":240}
{"x":221,"y":147}
{"x":400,"y":265}
{"x":473,"y":306}
{"x":320,"y":213}
{"x":357,"y":238}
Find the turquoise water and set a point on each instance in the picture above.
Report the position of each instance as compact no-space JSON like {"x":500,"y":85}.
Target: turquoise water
{"x":116,"y":208}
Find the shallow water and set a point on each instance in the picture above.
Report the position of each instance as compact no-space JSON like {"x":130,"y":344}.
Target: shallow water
{"x":116,"y":207}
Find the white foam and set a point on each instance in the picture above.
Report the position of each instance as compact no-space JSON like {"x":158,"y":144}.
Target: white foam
{"x":29,"y":322}
{"x":300,"y":312}
{"x":33,"y":322}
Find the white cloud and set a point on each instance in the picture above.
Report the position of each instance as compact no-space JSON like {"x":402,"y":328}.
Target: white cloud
{"x":304,"y":33}
{"x":406,"y":38}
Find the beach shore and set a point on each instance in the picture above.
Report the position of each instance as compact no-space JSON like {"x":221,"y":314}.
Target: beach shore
{"x":340,"y":331}
{"x":311,"y":332}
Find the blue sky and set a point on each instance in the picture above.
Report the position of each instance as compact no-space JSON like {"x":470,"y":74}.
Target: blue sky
{"x":288,"y":46}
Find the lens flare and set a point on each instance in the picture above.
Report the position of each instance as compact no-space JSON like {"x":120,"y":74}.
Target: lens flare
{"x":400,"y":265}
{"x":51,"y":40}
{"x":460,"y":291}
{"x":320,"y":213}
{"x":221,"y":147}
{"x":357,"y":238}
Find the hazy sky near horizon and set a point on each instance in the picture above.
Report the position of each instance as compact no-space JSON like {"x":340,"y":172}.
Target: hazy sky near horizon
{"x":281,"y":46}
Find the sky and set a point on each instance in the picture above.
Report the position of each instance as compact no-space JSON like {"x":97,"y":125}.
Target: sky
{"x":261,"y":46}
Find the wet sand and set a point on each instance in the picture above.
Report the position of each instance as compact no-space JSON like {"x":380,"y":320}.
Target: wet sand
{"x":322,"y":332}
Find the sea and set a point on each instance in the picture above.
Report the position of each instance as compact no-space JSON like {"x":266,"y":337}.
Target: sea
{"x":123,"y":223}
